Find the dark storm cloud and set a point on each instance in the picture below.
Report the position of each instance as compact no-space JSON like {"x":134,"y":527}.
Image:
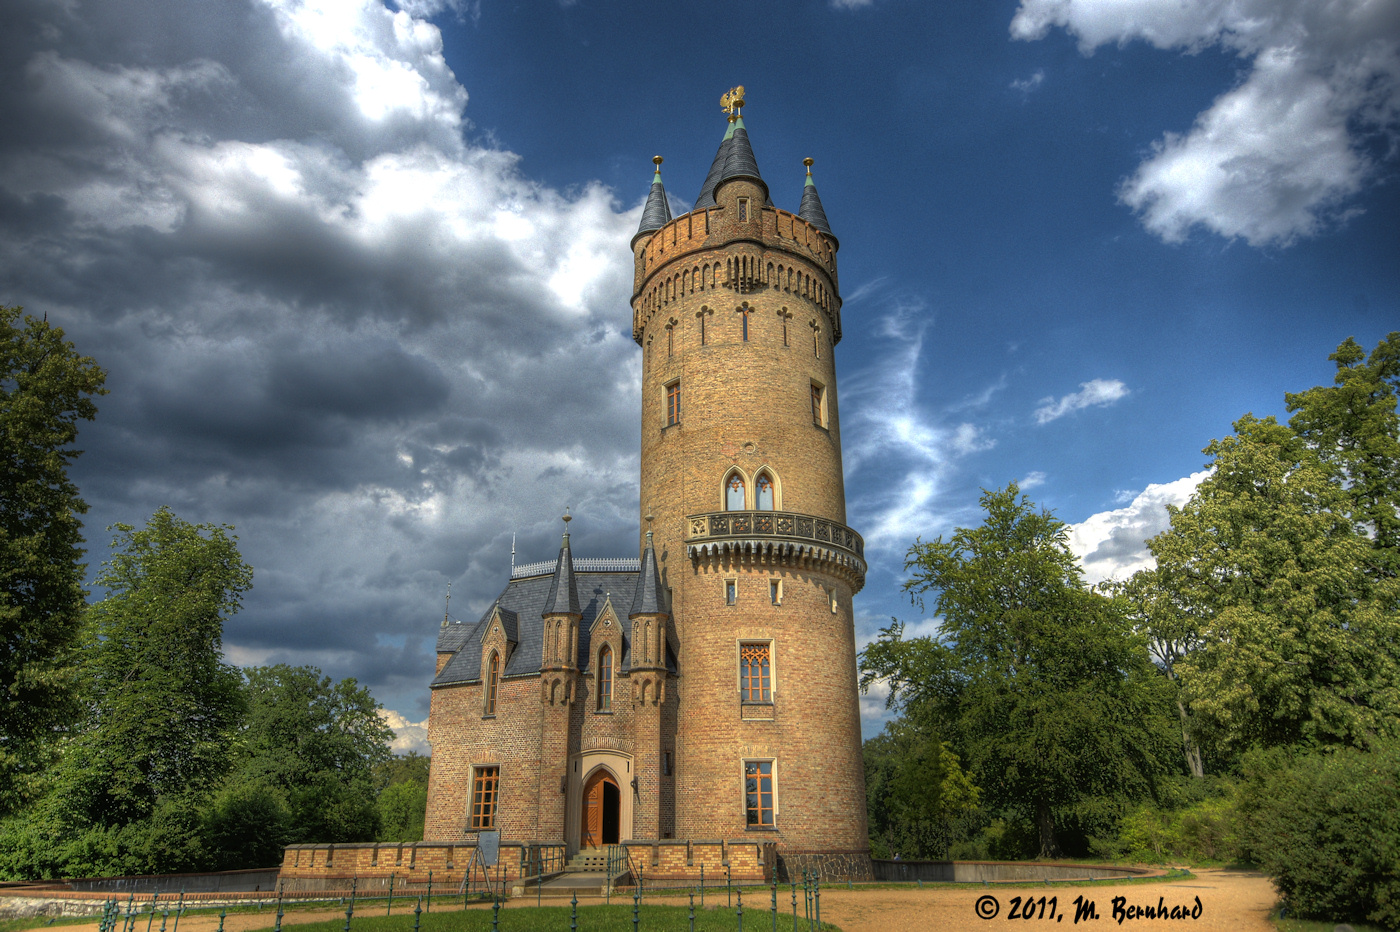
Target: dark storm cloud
{"x":327,"y":319}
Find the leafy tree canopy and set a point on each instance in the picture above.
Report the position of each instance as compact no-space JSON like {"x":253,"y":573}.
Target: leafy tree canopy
{"x":1048,"y":691}
{"x":46,"y":388}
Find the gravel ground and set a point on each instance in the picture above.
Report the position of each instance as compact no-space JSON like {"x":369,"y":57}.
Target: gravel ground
{"x":1230,"y":900}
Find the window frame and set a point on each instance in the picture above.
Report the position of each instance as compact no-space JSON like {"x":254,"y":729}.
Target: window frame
{"x":775,"y":592}
{"x":764,"y":680}
{"x":731,"y":591}
{"x":604,"y":679}
{"x":735,"y":475}
{"x":819,"y":407}
{"x":493,"y":685}
{"x":673,"y":403}
{"x":486,"y":794}
{"x":762,"y":769}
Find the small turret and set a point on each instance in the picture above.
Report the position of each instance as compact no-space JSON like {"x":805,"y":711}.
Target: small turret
{"x":649,"y":598}
{"x":563,"y":593}
{"x":657,"y":212}
{"x":811,"y":209}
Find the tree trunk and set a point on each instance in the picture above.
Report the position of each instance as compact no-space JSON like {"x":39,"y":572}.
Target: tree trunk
{"x":1045,"y":823}
{"x":1189,"y":747}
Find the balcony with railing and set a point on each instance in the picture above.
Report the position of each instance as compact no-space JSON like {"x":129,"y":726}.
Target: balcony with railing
{"x":774,"y":535}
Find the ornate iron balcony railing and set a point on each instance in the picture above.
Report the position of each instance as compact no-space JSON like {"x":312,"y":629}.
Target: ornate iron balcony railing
{"x":720,"y":525}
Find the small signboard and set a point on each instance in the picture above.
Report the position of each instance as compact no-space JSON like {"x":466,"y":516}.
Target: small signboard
{"x":488,"y":847}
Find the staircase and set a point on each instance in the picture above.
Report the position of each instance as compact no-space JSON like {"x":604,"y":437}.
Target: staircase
{"x":588,"y":861}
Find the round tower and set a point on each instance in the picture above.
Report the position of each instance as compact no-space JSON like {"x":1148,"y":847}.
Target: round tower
{"x":737,"y":310}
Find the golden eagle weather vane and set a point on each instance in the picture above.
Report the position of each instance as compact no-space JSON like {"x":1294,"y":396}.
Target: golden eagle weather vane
{"x":732,"y":102}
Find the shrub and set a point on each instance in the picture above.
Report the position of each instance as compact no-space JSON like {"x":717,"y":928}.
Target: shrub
{"x":1327,"y":828}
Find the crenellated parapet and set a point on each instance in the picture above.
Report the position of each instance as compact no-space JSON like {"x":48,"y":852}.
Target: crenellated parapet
{"x":705,"y":251}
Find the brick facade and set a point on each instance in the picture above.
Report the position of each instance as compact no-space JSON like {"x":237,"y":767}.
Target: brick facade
{"x":743,"y":317}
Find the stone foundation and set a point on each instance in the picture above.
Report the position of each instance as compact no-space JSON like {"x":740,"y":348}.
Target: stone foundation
{"x":827,"y":865}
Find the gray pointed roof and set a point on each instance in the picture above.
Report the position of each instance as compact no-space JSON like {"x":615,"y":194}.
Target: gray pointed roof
{"x":811,"y":209}
{"x":526,"y":599}
{"x":657,"y":212}
{"x":707,"y":190}
{"x":509,"y":623}
{"x":650,"y":596}
{"x":563,"y":593}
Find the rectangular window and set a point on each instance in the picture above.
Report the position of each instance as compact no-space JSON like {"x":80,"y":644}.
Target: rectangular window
{"x":755,"y":675}
{"x":775,"y":591}
{"x":673,"y":403}
{"x":731,"y":591}
{"x":483,"y":811}
{"x":666,"y":765}
{"x":758,"y":793}
{"x":818,"y":407}
{"x":743,"y":209}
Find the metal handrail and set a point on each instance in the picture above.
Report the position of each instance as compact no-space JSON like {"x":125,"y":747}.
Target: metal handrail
{"x":791,"y":525}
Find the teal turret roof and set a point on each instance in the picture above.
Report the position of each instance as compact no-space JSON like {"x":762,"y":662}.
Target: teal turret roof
{"x":811,"y":209}
{"x":657,"y":212}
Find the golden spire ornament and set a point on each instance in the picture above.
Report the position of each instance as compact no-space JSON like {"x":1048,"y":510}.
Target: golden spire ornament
{"x":732,"y":102}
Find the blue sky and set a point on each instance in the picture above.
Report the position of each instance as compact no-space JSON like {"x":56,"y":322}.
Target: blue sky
{"x":360,"y":272}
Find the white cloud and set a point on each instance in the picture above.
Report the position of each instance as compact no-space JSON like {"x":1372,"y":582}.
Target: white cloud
{"x":1277,"y":157}
{"x":408,"y":736}
{"x":851,"y":4}
{"x":1031,"y":480}
{"x":897,"y":450}
{"x":1026,"y":85}
{"x":1112,"y":544}
{"x":1094,"y":393}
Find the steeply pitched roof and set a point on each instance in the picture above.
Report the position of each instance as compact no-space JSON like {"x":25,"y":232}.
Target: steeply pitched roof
{"x":649,"y":597}
{"x":526,"y":599}
{"x":707,"y":190}
{"x":563,"y":597}
{"x":657,"y":212}
{"x":811,"y":209}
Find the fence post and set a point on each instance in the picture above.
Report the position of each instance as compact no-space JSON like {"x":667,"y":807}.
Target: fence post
{"x":152,"y":918}
{"x":222,"y":914}
{"x":573,"y":913}
{"x":774,"y":907}
{"x":430,"y":891}
{"x":390,"y":910}
{"x":794,"y":902}
{"x":349,"y":911}
{"x":817,"y":896}
{"x":354,"y":885}
{"x":495,"y":915}
{"x":740,"y":913}
{"x":636,"y":903}
{"x":702,"y":884}
{"x":417,"y":914}
{"x":728,"y":887}
{"x":692,"y":911}
{"x":179,"y":909}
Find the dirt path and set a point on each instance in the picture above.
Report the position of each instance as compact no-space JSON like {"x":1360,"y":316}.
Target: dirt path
{"x":1230,"y":901}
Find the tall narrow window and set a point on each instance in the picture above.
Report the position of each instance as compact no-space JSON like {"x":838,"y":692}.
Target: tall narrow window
{"x":701,"y":315}
{"x":731,"y":591}
{"x":673,"y":403}
{"x":744,"y":313}
{"x":743,"y":209}
{"x":670,"y":340}
{"x":483,"y":811}
{"x":818,"y":408}
{"x":758,"y":793}
{"x":493,"y":679}
{"x":734,"y":493}
{"x":605,"y":675}
{"x":816,"y":341}
{"x":775,"y":591}
{"x":764,"y":492}
{"x":755,"y":680}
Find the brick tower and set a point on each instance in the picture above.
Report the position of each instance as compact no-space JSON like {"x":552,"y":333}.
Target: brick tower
{"x":737,"y":310}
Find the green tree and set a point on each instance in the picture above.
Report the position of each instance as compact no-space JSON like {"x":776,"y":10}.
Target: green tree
{"x":1047,"y":688}
{"x":1299,"y":642}
{"x":164,"y":705}
{"x":919,"y":798}
{"x":45,"y":389}
{"x":318,"y":743}
{"x":1353,"y":428}
{"x":161,"y":710}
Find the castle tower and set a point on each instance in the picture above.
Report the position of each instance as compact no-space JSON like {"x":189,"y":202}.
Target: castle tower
{"x":737,"y":309}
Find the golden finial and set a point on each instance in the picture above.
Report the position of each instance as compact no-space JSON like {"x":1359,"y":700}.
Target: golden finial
{"x":808,"y":162}
{"x":732,"y":102}
{"x":657,"y":160}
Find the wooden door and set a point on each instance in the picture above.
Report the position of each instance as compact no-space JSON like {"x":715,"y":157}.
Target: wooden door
{"x":591,"y":827}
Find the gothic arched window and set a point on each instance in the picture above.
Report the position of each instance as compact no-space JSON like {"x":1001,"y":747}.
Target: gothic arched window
{"x":763,"y":490}
{"x":734,"y":493}
{"x":605,"y":679}
{"x":493,"y":679}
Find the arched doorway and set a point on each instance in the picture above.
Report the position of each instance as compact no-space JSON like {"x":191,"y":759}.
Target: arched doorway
{"x":601,"y":810}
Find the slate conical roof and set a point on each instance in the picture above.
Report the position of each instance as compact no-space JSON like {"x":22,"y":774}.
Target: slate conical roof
{"x":563,"y":592}
{"x":657,"y":212}
{"x":707,"y":190}
{"x":649,"y":596}
{"x":811,"y":209}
